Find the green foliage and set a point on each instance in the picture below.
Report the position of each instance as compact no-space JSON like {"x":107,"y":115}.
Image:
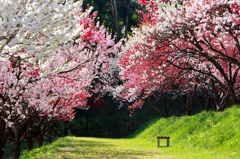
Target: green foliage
{"x":109,"y":120}
{"x":201,"y":136}
{"x":45,"y":151}
{"x":105,"y":16}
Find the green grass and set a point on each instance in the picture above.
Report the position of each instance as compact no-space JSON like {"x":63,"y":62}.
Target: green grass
{"x":75,"y":148}
{"x":210,"y":134}
{"x":206,"y":135}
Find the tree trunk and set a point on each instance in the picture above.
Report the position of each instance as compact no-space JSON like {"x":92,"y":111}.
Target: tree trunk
{"x":167,"y":110}
{"x":86,"y":122}
{"x":222,"y":104}
{"x":3,"y":134}
{"x":40,"y":140}
{"x":127,"y":17}
{"x":115,"y":19}
{"x":29,"y":142}
{"x":189,"y":103}
{"x":1,"y":149}
{"x":17,"y":142}
{"x":41,"y":132}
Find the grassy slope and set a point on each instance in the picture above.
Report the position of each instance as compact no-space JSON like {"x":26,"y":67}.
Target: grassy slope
{"x":205,"y":135}
{"x":211,"y":133}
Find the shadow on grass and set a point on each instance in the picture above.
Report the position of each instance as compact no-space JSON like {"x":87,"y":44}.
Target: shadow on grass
{"x":99,"y":149}
{"x":83,"y":143}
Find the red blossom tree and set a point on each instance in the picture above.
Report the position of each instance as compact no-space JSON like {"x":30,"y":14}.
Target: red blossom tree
{"x":193,"y":45}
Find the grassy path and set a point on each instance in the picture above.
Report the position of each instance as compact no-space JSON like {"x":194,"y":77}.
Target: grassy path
{"x":99,"y":148}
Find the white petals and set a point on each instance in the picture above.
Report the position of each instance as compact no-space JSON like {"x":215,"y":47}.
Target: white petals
{"x":37,"y":21}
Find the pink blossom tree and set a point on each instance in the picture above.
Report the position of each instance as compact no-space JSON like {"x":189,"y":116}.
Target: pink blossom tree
{"x":51,"y":53}
{"x":192,"y":44}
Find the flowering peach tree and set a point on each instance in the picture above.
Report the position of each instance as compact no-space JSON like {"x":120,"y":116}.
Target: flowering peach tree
{"x":51,"y":52}
{"x":194,"y":45}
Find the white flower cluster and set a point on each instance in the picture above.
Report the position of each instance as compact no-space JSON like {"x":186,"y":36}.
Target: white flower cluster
{"x":36,"y":27}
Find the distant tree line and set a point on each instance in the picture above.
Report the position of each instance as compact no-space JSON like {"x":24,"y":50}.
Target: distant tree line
{"x":116,"y":15}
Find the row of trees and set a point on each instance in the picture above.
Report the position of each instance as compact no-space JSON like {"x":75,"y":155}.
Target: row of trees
{"x":56,"y":55}
{"x":183,"y":48}
{"x":51,"y":54}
